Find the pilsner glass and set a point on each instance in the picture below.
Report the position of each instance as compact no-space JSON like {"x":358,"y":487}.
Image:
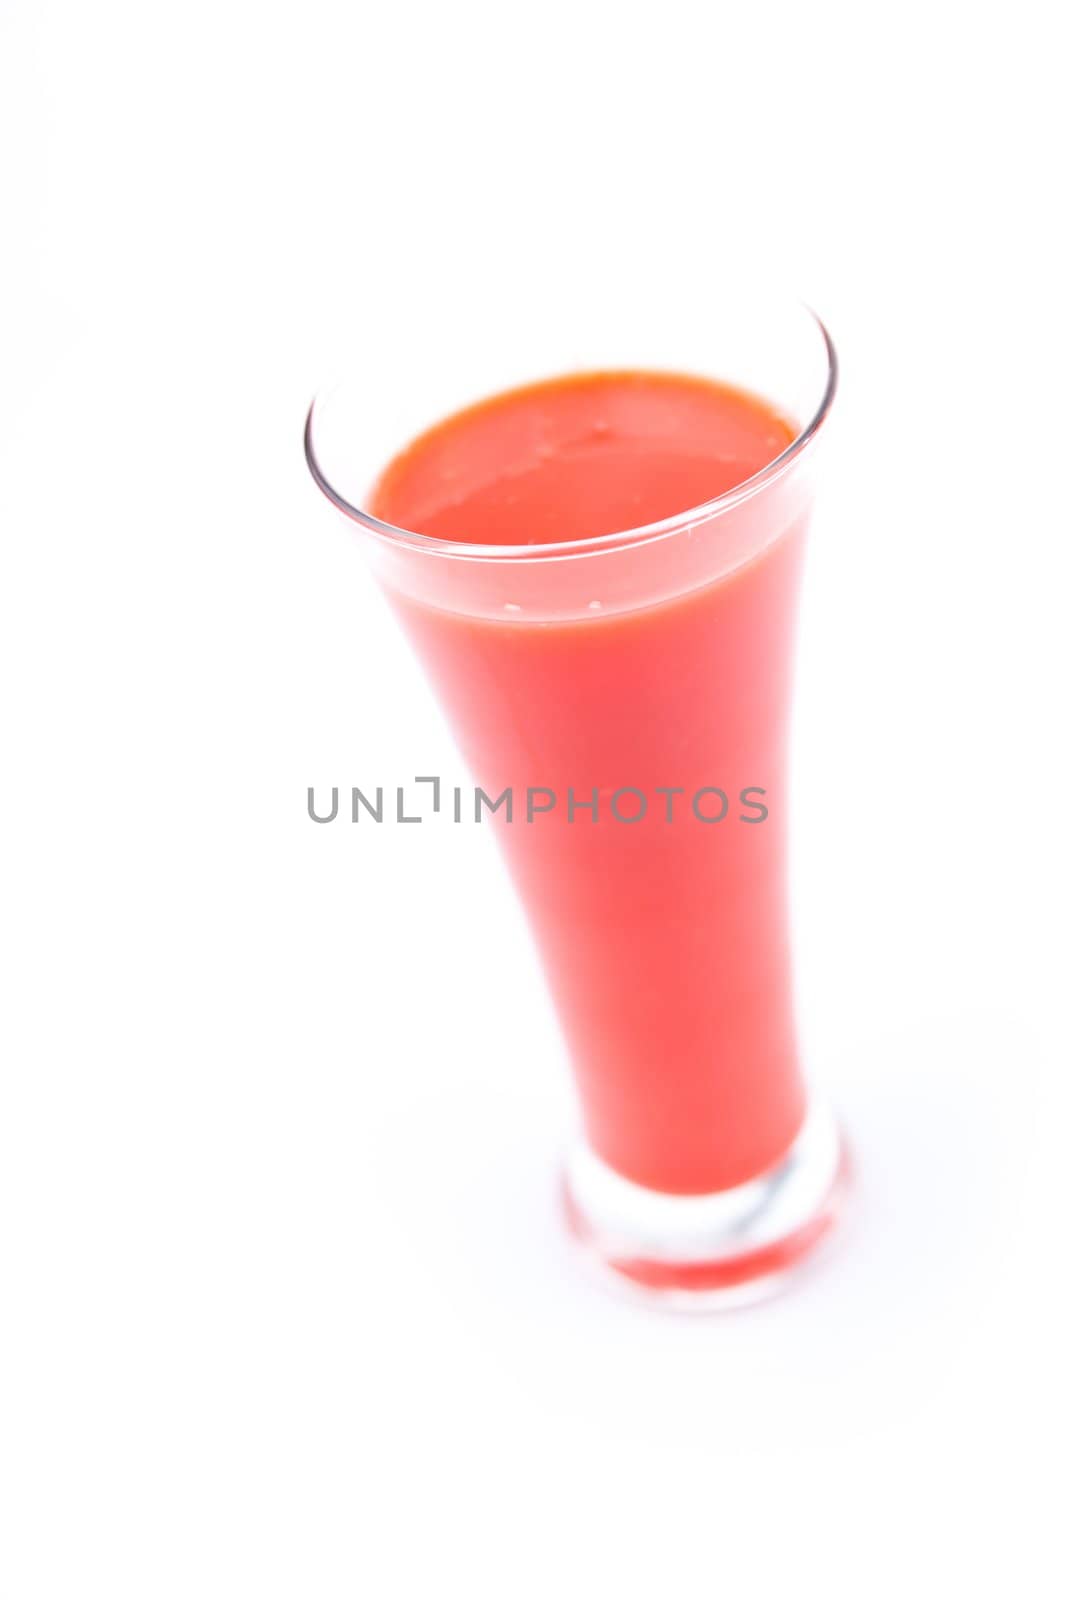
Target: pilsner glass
{"x":654,"y":878}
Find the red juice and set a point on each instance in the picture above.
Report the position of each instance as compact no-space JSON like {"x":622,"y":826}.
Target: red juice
{"x":661,"y":920}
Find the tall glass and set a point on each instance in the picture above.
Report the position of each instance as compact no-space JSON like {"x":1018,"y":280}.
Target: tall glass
{"x":630,"y":695}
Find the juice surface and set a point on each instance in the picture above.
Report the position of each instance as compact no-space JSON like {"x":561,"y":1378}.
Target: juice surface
{"x":577,"y":457}
{"x":665,"y":942}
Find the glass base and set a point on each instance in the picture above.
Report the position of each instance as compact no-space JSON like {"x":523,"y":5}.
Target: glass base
{"x":716,"y":1250}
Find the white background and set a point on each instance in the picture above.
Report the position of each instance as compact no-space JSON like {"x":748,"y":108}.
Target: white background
{"x":286,"y":1310}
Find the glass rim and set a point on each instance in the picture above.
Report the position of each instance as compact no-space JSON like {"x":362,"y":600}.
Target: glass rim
{"x":467,"y":551}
